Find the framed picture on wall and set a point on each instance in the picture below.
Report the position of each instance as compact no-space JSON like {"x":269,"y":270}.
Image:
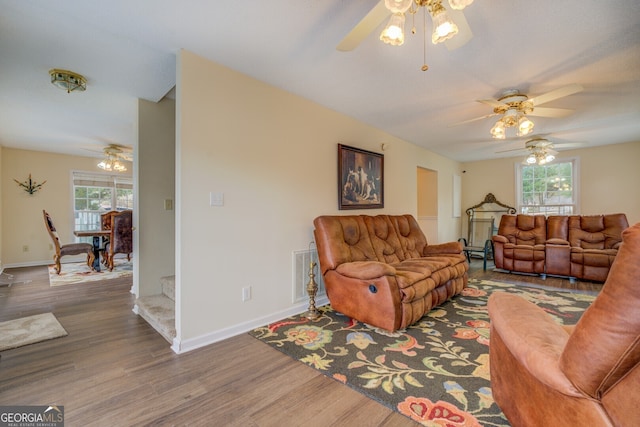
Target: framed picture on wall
{"x":360,"y":179}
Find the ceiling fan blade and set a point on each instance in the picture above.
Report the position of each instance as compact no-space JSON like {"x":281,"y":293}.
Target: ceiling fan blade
{"x":557,"y":93}
{"x":492,"y":102}
{"x":364,"y":27}
{"x":474,"y":119}
{"x":464,"y":30}
{"x":513,"y":149}
{"x":550,"y":112}
{"x":570,"y":144}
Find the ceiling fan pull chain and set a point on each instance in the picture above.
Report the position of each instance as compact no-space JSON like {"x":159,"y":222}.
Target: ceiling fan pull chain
{"x":424,"y":67}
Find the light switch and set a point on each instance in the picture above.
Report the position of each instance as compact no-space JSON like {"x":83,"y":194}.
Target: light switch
{"x":216,"y":199}
{"x":168,"y":204}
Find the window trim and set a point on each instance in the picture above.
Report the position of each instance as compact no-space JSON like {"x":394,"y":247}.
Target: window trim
{"x":108,"y":177}
{"x":576,"y":182}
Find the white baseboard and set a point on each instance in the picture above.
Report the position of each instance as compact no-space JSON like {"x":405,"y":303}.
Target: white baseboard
{"x":182,"y":346}
{"x":28,"y":264}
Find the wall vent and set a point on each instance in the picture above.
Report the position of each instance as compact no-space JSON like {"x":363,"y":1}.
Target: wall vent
{"x":301,"y":261}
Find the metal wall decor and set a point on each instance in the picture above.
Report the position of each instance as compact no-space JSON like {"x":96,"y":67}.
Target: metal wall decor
{"x":29,"y":185}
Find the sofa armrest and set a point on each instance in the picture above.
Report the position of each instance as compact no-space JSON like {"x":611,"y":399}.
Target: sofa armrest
{"x":499,"y":239}
{"x":443,"y":248}
{"x":533,"y":338}
{"x":560,"y":242}
{"x":365,"y":270}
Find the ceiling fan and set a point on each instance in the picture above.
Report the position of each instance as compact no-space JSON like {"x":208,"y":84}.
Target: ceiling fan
{"x":448,"y":21}
{"x":514,"y":107}
{"x":118,"y":151}
{"x":540,"y":150}
{"x":113,"y":155}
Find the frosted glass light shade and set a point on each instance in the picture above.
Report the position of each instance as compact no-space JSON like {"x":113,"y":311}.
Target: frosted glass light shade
{"x":525,"y":126}
{"x":393,"y":33}
{"x":398,"y":6}
{"x":443,"y":27}
{"x":497,"y":131}
{"x":459,"y":4}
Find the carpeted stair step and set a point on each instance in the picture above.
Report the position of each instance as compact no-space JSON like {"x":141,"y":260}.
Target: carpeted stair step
{"x":159,"y":312}
{"x":169,"y":286}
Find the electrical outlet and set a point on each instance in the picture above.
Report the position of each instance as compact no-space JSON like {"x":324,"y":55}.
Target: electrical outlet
{"x":246,"y":293}
{"x":50,"y":246}
{"x":25,"y":248}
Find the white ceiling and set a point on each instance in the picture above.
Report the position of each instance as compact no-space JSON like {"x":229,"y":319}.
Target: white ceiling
{"x":127,"y":50}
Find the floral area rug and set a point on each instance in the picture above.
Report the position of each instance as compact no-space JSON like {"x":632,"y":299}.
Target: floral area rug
{"x":436,"y":371}
{"x":79,"y":272}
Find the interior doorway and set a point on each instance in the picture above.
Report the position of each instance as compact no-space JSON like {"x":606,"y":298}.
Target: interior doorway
{"x":428,"y":203}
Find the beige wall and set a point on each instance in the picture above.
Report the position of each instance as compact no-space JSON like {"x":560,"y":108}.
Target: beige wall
{"x":609,"y":177}
{"x":22,"y":222}
{"x":274,"y":156}
{"x":156,"y":183}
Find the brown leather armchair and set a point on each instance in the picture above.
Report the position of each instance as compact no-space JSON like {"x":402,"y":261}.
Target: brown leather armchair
{"x":121,"y":237}
{"x":587,"y":375}
{"x":520,"y":243}
{"x":69,"y":248}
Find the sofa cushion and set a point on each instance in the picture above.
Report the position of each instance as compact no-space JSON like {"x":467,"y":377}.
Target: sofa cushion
{"x":612,"y":323}
{"x":596,"y":231}
{"x":384,"y":239}
{"x":524,"y":229}
{"x":348,"y":239}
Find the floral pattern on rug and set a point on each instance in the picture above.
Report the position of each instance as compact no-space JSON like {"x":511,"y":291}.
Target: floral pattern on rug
{"x":436,"y":371}
{"x":79,"y":272}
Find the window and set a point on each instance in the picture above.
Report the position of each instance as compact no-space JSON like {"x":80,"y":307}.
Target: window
{"x":549,"y":189}
{"x":95,"y":194}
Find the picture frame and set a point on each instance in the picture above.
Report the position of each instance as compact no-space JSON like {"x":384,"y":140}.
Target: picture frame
{"x":360,"y":178}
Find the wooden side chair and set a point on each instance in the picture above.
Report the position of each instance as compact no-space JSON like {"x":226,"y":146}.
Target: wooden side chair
{"x":68,"y":249}
{"x":121,"y":238}
{"x":106,"y":219}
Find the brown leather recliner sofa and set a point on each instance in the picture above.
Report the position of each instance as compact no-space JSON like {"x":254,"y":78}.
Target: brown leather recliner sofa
{"x":544,"y":374}
{"x":576,"y":246}
{"x":381,"y":271}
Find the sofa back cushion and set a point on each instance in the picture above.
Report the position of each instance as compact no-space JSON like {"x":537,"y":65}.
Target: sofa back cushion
{"x":341,"y":239}
{"x":605,"y":344}
{"x":558,"y":227}
{"x":528,"y":230}
{"x":384,"y":238}
{"x":596,"y":231}
{"x":410,"y":236}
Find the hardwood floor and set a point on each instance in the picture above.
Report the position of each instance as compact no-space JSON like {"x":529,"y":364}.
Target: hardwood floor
{"x":114,"y":369}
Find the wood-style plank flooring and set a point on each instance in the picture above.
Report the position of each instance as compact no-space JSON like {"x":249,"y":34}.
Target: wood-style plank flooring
{"x":113,"y":369}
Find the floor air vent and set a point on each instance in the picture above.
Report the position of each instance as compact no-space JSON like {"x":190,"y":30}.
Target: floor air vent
{"x":301,"y":261}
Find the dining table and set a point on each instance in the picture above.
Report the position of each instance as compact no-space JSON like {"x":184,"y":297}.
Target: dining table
{"x":98,"y":237}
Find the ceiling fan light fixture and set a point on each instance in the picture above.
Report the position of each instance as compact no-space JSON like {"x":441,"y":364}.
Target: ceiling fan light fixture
{"x":68,"y":80}
{"x":398,"y":6}
{"x":393,"y":33}
{"x":525,"y":126}
{"x":531,"y":159}
{"x":111,"y":164}
{"x":459,"y":4}
{"x":498,"y":130}
{"x":443,"y":27}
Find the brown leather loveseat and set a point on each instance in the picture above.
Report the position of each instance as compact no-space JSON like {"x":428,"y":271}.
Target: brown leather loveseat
{"x":381,"y":271}
{"x":544,"y":374}
{"x":575,"y":246}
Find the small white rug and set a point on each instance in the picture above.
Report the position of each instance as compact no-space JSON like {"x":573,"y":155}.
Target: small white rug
{"x":79,"y":272}
{"x":29,"y":330}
